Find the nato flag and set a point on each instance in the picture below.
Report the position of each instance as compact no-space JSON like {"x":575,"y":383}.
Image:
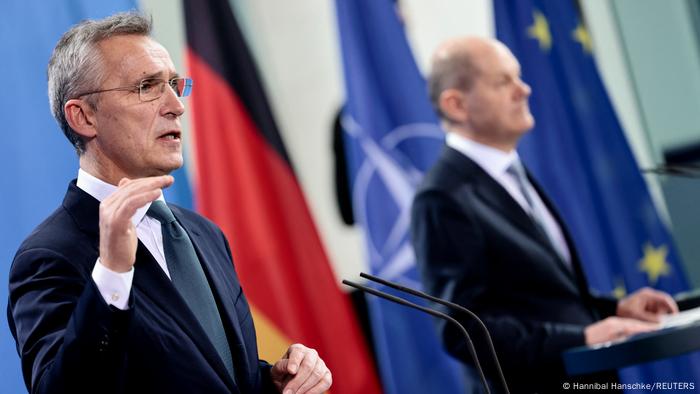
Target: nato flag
{"x":391,"y":138}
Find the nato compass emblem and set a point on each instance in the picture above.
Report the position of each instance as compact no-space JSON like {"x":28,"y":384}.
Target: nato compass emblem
{"x":388,"y":171}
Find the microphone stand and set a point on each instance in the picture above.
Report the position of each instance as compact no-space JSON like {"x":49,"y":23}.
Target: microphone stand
{"x":449,"y":304}
{"x":432,"y":312}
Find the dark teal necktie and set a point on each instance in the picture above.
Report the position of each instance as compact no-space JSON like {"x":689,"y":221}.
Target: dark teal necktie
{"x":188,"y":277}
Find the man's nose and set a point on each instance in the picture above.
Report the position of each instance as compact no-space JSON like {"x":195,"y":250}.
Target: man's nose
{"x":523,"y":89}
{"x":173,"y":105}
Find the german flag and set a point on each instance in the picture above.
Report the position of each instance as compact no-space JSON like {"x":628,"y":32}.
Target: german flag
{"x":245,"y":183}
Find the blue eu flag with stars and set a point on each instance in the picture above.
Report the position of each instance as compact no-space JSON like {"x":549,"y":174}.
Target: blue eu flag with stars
{"x":579,"y":153}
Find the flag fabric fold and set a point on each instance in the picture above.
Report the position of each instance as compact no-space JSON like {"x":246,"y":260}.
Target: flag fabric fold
{"x":245,"y":183}
{"x":579,"y":153}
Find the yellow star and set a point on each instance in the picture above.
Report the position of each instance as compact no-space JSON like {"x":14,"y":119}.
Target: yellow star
{"x":540,"y":31}
{"x":620,"y":291}
{"x":580,"y":35}
{"x":654,"y":262}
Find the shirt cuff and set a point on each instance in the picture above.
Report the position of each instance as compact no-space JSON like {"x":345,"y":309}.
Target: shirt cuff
{"x":114,"y":286}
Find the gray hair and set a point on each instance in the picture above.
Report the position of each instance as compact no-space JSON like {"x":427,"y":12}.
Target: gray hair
{"x":453,"y":71}
{"x":75,"y":64}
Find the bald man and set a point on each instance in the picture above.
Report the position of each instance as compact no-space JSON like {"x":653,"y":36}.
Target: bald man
{"x":488,"y":238}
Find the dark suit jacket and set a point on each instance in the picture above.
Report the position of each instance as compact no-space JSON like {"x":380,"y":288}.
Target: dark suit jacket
{"x":71,"y":341}
{"x":477,"y":247}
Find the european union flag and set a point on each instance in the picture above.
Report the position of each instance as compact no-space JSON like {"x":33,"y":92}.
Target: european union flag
{"x":391,"y":138}
{"x":579,"y":153}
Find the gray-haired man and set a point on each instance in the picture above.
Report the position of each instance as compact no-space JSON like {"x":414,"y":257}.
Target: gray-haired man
{"x":117,"y":291}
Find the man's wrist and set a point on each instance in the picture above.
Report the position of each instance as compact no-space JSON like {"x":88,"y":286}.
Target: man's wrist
{"x":115,"y":287}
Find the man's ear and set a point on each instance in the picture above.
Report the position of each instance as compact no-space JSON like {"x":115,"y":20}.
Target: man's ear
{"x":453,"y":105}
{"x":81,"y":117}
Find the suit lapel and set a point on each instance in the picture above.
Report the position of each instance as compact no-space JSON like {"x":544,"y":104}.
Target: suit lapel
{"x":150,"y":280}
{"x":152,"y":283}
{"x":494,"y":195}
{"x":577,"y":274}
{"x":491,"y":192}
{"x":84,"y":209}
{"x":222,"y":286}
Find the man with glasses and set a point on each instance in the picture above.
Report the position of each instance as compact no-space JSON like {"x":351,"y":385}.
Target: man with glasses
{"x":117,"y":291}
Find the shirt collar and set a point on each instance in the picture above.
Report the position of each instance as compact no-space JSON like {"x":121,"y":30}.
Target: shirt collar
{"x":494,"y":161}
{"x":100,"y":190}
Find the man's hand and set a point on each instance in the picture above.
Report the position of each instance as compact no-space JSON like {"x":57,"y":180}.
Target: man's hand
{"x":117,"y":234}
{"x":301,"y":370}
{"x":614,"y":328}
{"x":646,"y":304}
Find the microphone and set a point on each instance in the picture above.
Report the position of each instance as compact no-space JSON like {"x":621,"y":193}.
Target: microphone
{"x":432,"y":312}
{"x":687,"y":171}
{"x":452,"y":305}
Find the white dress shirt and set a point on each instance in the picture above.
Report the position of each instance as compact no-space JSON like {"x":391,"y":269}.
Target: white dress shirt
{"x":115,"y":287}
{"x":496,"y":162}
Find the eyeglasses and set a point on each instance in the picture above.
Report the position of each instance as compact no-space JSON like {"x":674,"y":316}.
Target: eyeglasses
{"x":153,"y":88}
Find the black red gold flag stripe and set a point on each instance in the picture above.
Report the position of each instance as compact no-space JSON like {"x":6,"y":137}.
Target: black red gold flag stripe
{"x":245,"y":183}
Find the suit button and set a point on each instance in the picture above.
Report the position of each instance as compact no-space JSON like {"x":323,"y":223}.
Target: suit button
{"x":104,"y":343}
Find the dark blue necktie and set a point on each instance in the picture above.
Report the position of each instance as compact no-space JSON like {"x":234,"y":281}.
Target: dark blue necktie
{"x":188,"y":278}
